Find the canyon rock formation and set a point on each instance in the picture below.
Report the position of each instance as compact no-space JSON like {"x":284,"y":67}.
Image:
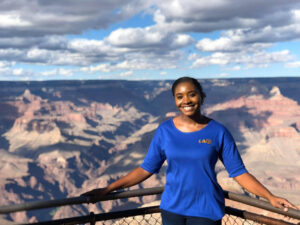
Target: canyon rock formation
{"x":61,"y":138}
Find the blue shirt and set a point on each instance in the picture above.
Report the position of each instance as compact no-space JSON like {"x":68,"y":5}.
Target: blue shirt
{"x":191,"y":187}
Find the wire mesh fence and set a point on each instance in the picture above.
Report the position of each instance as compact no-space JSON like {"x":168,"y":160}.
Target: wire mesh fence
{"x":149,"y":219}
{"x":234,"y":217}
{"x":234,"y":220}
{"x":155,"y":219}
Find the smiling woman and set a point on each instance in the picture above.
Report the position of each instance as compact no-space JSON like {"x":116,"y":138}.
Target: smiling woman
{"x":192,"y":144}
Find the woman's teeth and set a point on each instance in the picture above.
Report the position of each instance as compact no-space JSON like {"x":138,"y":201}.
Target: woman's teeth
{"x":187,"y":108}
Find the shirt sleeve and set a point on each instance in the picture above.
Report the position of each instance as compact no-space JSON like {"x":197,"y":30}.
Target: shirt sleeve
{"x":155,"y":156}
{"x":230,"y":156}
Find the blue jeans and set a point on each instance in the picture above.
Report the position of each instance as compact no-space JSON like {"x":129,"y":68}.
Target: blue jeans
{"x":169,"y":218}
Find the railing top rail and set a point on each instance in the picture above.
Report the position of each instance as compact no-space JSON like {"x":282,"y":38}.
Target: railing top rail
{"x":261,"y":204}
{"x":137,"y":193}
{"x":78,"y":200}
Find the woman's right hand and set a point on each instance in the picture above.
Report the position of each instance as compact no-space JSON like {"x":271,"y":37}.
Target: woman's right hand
{"x":95,"y":194}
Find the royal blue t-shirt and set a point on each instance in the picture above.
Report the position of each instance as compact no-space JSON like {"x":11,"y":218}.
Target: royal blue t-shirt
{"x":191,"y":186}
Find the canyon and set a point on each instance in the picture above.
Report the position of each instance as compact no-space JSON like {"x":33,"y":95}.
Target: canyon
{"x":62,"y":138}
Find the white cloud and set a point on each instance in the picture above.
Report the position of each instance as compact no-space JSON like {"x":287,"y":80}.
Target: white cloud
{"x":12,"y":20}
{"x":37,"y":54}
{"x":148,"y":39}
{"x":85,"y":45}
{"x":208,"y":16}
{"x":9,"y":72}
{"x":6,"y":64}
{"x":215,"y":59}
{"x":58,"y":72}
{"x":37,"y":18}
{"x":100,"y":67}
{"x":139,"y":61}
{"x":235,"y":68}
{"x":193,"y":56}
{"x":126,"y":74}
{"x":223,"y":75}
{"x":18,"y":72}
{"x":293,"y":64}
{"x":220,"y":44}
{"x":257,"y":59}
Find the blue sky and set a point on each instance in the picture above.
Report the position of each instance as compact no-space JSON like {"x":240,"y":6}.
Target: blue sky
{"x":116,"y":39}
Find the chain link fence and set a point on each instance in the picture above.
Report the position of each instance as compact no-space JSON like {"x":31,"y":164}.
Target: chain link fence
{"x":149,"y":219}
{"x":155,"y":219}
{"x":233,"y":217}
{"x":234,"y":220}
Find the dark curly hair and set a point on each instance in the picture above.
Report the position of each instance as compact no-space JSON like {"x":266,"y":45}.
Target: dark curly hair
{"x":191,"y":80}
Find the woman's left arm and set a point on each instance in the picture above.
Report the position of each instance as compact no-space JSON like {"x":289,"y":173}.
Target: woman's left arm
{"x":251,"y":184}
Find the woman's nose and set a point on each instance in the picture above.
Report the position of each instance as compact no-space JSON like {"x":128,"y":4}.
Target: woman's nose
{"x":186,"y":99}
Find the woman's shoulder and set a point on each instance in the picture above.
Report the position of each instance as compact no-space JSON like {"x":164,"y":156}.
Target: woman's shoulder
{"x":218,"y":125}
{"x":166,"y":123}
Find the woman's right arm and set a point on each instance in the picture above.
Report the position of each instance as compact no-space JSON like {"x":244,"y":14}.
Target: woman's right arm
{"x":132,"y":178}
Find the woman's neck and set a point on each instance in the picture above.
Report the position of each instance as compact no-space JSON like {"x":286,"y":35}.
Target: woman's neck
{"x":195,"y":119}
{"x":190,"y":124}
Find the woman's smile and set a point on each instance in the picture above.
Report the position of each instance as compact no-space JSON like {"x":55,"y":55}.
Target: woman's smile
{"x":188,"y":108}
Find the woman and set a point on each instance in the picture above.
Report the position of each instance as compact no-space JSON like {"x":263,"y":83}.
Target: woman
{"x":192,"y":143}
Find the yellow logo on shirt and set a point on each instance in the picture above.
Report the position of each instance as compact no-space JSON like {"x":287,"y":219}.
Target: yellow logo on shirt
{"x":204,"y":141}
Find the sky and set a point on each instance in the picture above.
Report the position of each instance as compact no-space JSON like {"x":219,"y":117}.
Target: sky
{"x":143,"y":39}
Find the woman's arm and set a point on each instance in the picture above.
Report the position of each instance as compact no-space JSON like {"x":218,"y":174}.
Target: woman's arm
{"x":251,"y":184}
{"x":132,"y":178}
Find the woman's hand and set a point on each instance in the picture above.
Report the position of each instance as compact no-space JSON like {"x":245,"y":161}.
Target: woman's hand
{"x":251,"y":184}
{"x":134,"y":177}
{"x":95,"y":194}
{"x":281,"y":203}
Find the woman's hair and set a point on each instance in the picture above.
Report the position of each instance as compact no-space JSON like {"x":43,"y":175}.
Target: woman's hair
{"x":191,"y":80}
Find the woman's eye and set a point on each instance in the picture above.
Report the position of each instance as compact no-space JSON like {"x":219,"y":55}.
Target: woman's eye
{"x":179,"y":97}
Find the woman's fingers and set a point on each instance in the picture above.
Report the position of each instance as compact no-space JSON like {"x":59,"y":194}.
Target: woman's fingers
{"x":282,"y":203}
{"x":99,"y":192}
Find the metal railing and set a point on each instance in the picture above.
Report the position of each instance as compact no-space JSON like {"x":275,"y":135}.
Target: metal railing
{"x":150,"y":215}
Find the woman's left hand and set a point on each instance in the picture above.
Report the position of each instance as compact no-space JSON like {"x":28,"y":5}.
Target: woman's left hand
{"x":281,"y":203}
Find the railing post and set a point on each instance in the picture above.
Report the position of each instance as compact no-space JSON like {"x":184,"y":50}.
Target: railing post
{"x":92,"y":218}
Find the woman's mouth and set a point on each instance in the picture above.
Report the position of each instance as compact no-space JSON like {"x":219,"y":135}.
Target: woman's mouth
{"x":188,"y":108}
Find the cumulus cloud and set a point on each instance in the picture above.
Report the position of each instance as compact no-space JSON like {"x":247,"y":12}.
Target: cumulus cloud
{"x":149,"y":37}
{"x":121,"y":45}
{"x":11,"y":73}
{"x":293,"y":64}
{"x":126,"y":74}
{"x":257,"y":59}
{"x":208,"y":16}
{"x":39,"y":18}
{"x":58,"y":72}
{"x":139,"y":61}
{"x":229,"y":44}
{"x":252,"y":40}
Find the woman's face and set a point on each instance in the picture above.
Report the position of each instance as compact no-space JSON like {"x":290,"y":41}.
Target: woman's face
{"x":187,"y":99}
